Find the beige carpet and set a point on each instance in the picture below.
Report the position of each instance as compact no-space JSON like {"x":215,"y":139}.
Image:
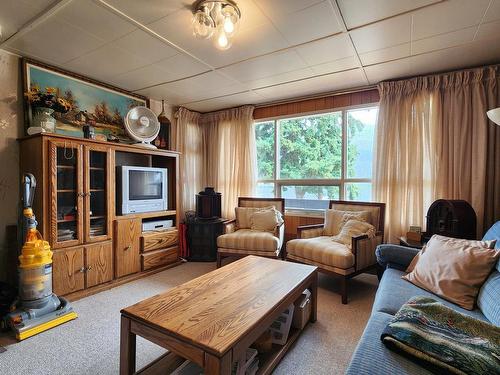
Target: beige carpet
{"x":90,"y":344}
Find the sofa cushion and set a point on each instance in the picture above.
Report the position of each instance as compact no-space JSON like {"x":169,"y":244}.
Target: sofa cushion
{"x":488,"y":299}
{"x":393,"y":292}
{"x":335,"y":220}
{"x":321,"y":250}
{"x":265,"y":220}
{"x":247,"y":239}
{"x":243,"y":215}
{"x":372,"y":357}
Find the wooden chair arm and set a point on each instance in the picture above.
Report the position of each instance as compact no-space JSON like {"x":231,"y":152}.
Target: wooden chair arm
{"x":302,"y":228}
{"x":363,"y":249}
{"x":277,"y":229}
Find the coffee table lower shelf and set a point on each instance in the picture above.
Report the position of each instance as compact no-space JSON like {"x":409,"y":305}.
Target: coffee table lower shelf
{"x":169,"y":361}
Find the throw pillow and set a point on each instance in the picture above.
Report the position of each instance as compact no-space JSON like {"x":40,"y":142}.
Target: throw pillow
{"x":265,"y":220}
{"x":453,"y":269}
{"x":335,"y":220}
{"x":353,"y":228}
{"x":243,"y":215}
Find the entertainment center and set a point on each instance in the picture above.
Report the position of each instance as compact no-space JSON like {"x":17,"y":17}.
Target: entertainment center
{"x":96,"y":246}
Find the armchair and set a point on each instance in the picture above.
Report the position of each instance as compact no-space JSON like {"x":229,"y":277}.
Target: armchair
{"x":314,"y":245}
{"x":238,"y":240}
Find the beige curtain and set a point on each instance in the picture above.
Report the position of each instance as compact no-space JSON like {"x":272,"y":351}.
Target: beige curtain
{"x":190,"y":142}
{"x":434,"y":141}
{"x":231,"y":155}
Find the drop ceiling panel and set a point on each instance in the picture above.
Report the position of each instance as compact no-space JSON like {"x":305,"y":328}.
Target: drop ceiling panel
{"x":106,"y":62}
{"x":15,"y":13}
{"x":276,"y":8}
{"x":382,"y":35}
{"x":181,"y":66}
{"x":147,"y":11}
{"x":265,"y":66}
{"x":142,"y":44}
{"x":442,"y":41}
{"x":386,"y":54}
{"x":226,"y":102}
{"x":389,"y":70}
{"x":490,"y":30}
{"x":336,"y":65}
{"x":142,"y":77}
{"x":280,"y":78}
{"x":316,"y":85}
{"x":447,"y":16}
{"x":96,"y":20}
{"x":493,"y":12}
{"x":308,"y":24}
{"x":362,"y":12}
{"x":325,"y":50}
{"x":55,"y":41}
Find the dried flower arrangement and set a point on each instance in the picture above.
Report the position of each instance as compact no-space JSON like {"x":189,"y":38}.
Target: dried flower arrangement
{"x":47,"y":99}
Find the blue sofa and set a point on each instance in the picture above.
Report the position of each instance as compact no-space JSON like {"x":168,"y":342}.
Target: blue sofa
{"x":371,"y":356}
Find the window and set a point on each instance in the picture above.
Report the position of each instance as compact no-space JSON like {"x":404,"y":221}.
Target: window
{"x":311,"y":159}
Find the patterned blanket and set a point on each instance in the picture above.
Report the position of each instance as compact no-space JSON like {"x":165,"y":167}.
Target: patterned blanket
{"x":443,"y":340}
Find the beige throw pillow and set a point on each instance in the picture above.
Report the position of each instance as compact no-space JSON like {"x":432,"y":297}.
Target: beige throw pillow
{"x":453,"y":268}
{"x":243,"y":215}
{"x":335,"y":220}
{"x":353,"y":228}
{"x":265,"y":220}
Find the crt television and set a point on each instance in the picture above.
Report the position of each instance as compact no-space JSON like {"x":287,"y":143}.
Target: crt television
{"x":141,"y":189}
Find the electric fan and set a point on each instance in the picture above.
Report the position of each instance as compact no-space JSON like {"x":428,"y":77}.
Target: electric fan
{"x":142,"y":125}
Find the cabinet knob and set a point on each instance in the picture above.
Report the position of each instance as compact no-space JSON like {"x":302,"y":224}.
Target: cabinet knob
{"x":82,"y":270}
{"x":128,"y":247}
{"x":89,"y":268}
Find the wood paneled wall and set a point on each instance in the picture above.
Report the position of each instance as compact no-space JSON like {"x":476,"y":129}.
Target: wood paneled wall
{"x":317,"y":104}
{"x":292,"y":222}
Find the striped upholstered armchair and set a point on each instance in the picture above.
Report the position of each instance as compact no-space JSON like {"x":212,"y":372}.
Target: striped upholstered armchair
{"x":240,"y":240}
{"x":314,"y":244}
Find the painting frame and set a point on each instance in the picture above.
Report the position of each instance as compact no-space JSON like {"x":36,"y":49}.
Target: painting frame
{"x":77,"y":79}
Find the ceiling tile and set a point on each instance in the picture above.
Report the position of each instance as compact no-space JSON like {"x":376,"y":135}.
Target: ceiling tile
{"x":493,"y":12}
{"x":143,"y":77}
{"x":150,"y":49}
{"x":362,"y":12}
{"x":316,"y":85}
{"x":476,"y":53}
{"x":490,"y":30}
{"x":265,"y":66}
{"x":181,"y":66}
{"x":236,"y":100}
{"x":337,"y":65}
{"x":308,"y":24}
{"x":280,"y":78}
{"x":276,"y":8}
{"x":386,"y":54}
{"x":389,"y":70}
{"x":383,"y":34}
{"x":146,"y":13}
{"x":15,"y":13}
{"x":95,"y":19}
{"x":325,"y":50}
{"x":447,"y":16}
{"x":106,"y":62}
{"x":442,"y":41}
{"x":65,"y":42}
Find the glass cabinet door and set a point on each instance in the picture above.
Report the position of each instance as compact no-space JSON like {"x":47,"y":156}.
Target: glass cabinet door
{"x":66,"y":194}
{"x":96,"y":195}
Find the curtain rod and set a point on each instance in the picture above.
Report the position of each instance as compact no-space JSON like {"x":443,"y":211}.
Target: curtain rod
{"x":316,"y":96}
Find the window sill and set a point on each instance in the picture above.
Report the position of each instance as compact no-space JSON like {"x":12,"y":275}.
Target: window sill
{"x":303,"y":212}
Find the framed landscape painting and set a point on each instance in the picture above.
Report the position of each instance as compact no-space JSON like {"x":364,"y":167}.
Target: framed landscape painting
{"x":83,"y":100}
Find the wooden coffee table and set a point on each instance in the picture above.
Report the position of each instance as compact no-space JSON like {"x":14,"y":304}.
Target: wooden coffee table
{"x":213,"y":319}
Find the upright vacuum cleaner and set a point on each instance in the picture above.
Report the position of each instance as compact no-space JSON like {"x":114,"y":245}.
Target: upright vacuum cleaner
{"x":37,"y":309}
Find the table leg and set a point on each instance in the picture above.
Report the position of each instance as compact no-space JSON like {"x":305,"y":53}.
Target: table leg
{"x":127,"y":348}
{"x":314,"y":297}
{"x":217,"y":366}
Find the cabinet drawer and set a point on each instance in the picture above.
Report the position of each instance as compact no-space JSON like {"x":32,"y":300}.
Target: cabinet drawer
{"x":159,"y":240}
{"x":159,"y":258}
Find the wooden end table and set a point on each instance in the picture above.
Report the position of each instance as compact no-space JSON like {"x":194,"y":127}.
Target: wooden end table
{"x":403,"y":241}
{"x":214,"y":318}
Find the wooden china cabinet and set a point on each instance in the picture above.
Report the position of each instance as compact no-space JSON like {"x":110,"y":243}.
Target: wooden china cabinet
{"x":75,"y":207}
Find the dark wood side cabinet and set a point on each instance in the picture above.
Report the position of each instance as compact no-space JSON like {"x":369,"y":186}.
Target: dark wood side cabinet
{"x":202,"y":239}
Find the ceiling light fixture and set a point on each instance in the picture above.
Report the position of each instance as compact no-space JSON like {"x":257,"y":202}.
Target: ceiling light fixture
{"x":217,"y":18}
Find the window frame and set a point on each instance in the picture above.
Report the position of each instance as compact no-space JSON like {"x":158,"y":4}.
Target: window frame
{"x":340,"y":182}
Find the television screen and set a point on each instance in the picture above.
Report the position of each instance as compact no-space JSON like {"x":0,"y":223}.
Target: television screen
{"x":144,"y":185}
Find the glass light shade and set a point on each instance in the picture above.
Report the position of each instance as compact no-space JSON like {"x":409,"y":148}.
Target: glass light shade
{"x":494,"y":115}
{"x":203,"y":24}
{"x":221,"y":40}
{"x":231,"y":20}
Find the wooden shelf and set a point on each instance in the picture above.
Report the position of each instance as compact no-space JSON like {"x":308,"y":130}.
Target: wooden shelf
{"x":146,"y":215}
{"x":66,"y":220}
{"x":268,"y":361}
{"x":66,"y":190}
{"x":91,"y":190}
{"x":96,"y":168}
{"x":66,"y":166}
{"x":97,"y":217}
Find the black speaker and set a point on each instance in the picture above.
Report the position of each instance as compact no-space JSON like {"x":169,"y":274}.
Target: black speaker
{"x":208,"y":204}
